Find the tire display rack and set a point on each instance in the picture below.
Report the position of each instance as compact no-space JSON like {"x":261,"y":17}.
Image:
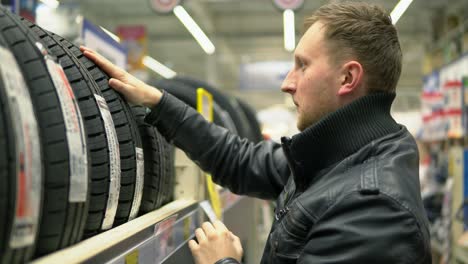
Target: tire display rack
{"x":74,"y":163}
{"x":156,"y":237}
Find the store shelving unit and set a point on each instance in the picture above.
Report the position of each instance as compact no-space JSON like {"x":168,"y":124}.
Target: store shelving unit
{"x":136,"y":239}
{"x":157,"y":237}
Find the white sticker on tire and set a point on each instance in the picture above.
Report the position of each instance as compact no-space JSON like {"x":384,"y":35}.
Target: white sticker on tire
{"x":28,"y":153}
{"x":140,"y":174}
{"x":76,"y":137}
{"x":114,"y":164}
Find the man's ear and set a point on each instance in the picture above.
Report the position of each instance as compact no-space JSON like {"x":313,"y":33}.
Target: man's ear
{"x":351,"y":77}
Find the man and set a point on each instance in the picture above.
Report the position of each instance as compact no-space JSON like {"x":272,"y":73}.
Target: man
{"x":346,"y":186}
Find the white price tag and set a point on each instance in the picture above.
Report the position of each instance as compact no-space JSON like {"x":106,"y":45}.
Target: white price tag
{"x":76,"y":137}
{"x":206,"y":206}
{"x":140,"y":172}
{"x":114,"y":160}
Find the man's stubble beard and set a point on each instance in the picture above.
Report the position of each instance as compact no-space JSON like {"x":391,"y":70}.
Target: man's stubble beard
{"x":306,"y":120}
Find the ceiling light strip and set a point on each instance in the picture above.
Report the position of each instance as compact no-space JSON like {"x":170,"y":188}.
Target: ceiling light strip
{"x":194,"y":29}
{"x":289,"y":30}
{"x":399,"y":9}
{"x":158,"y":67}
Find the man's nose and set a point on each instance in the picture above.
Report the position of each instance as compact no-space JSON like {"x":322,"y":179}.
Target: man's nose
{"x":289,"y":83}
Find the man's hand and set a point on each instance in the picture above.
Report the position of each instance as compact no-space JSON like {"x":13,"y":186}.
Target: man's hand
{"x":215,"y":242}
{"x":134,"y":90}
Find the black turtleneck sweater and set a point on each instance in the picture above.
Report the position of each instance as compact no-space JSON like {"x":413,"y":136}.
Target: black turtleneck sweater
{"x":339,"y":134}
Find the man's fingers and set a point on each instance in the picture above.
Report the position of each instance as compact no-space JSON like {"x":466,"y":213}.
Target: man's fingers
{"x":220,"y":227}
{"x":209,"y":229}
{"x":200,"y":235}
{"x":119,"y":85}
{"x":104,"y":64}
{"x":234,"y":237}
{"x":193,"y":245}
{"x":83,"y":48}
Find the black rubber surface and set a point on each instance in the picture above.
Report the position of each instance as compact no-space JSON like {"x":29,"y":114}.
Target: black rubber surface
{"x":225,"y":102}
{"x":127,"y":136}
{"x":159,"y":164}
{"x":255,"y":129}
{"x":62,"y":222}
{"x":188,"y":95}
{"x":85,"y":90}
{"x":127,"y":132}
{"x":7,"y":179}
{"x":8,"y":183}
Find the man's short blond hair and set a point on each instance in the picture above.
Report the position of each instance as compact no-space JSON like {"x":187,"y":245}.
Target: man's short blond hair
{"x":363,"y":32}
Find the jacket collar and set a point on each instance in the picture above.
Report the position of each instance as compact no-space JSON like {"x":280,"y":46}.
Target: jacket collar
{"x":338,"y":135}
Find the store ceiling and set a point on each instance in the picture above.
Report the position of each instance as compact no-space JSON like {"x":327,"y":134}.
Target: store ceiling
{"x":249,"y":31}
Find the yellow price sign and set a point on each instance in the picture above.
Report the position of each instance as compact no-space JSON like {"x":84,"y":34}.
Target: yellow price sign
{"x":132,"y":257}
{"x":205,"y":108}
{"x":205,"y":104}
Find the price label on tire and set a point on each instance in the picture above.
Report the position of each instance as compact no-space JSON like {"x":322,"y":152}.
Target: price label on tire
{"x":140,"y":174}
{"x":28,"y":154}
{"x":76,"y":137}
{"x":114,"y":157}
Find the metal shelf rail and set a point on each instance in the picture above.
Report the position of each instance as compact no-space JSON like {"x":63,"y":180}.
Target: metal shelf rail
{"x":146,"y":239}
{"x":151,"y":238}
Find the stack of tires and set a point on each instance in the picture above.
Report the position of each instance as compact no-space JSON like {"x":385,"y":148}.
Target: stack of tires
{"x":75,"y":158}
{"x":229,"y":112}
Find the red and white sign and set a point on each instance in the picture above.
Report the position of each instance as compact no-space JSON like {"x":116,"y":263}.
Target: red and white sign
{"x":133,"y":37}
{"x":453,"y":94}
{"x":288,"y":4}
{"x":164,"y":6}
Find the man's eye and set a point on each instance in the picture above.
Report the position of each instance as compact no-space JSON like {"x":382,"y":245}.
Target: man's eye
{"x":302,"y":65}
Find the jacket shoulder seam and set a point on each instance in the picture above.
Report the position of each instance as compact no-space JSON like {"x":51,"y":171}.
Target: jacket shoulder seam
{"x":385,"y":196}
{"x":412,"y":214}
{"x":305,"y":211}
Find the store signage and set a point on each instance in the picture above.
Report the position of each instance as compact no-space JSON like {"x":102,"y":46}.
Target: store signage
{"x":94,"y":38}
{"x":12,"y":4}
{"x":453,"y":98}
{"x":134,"y":39}
{"x":164,"y":6}
{"x":263,"y":75}
{"x":288,"y":4}
{"x":25,"y":8}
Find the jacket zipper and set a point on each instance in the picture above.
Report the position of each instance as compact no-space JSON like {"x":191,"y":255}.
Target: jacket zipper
{"x":281,"y":213}
{"x":286,"y":144}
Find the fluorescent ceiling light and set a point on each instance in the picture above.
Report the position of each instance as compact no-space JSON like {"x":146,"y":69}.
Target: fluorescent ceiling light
{"x":194,"y":29}
{"x":289,"y":30}
{"x":399,"y":9}
{"x":112,"y":35}
{"x":158,"y":67}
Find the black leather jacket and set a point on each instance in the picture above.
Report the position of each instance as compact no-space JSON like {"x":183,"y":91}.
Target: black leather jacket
{"x":347,"y":188}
